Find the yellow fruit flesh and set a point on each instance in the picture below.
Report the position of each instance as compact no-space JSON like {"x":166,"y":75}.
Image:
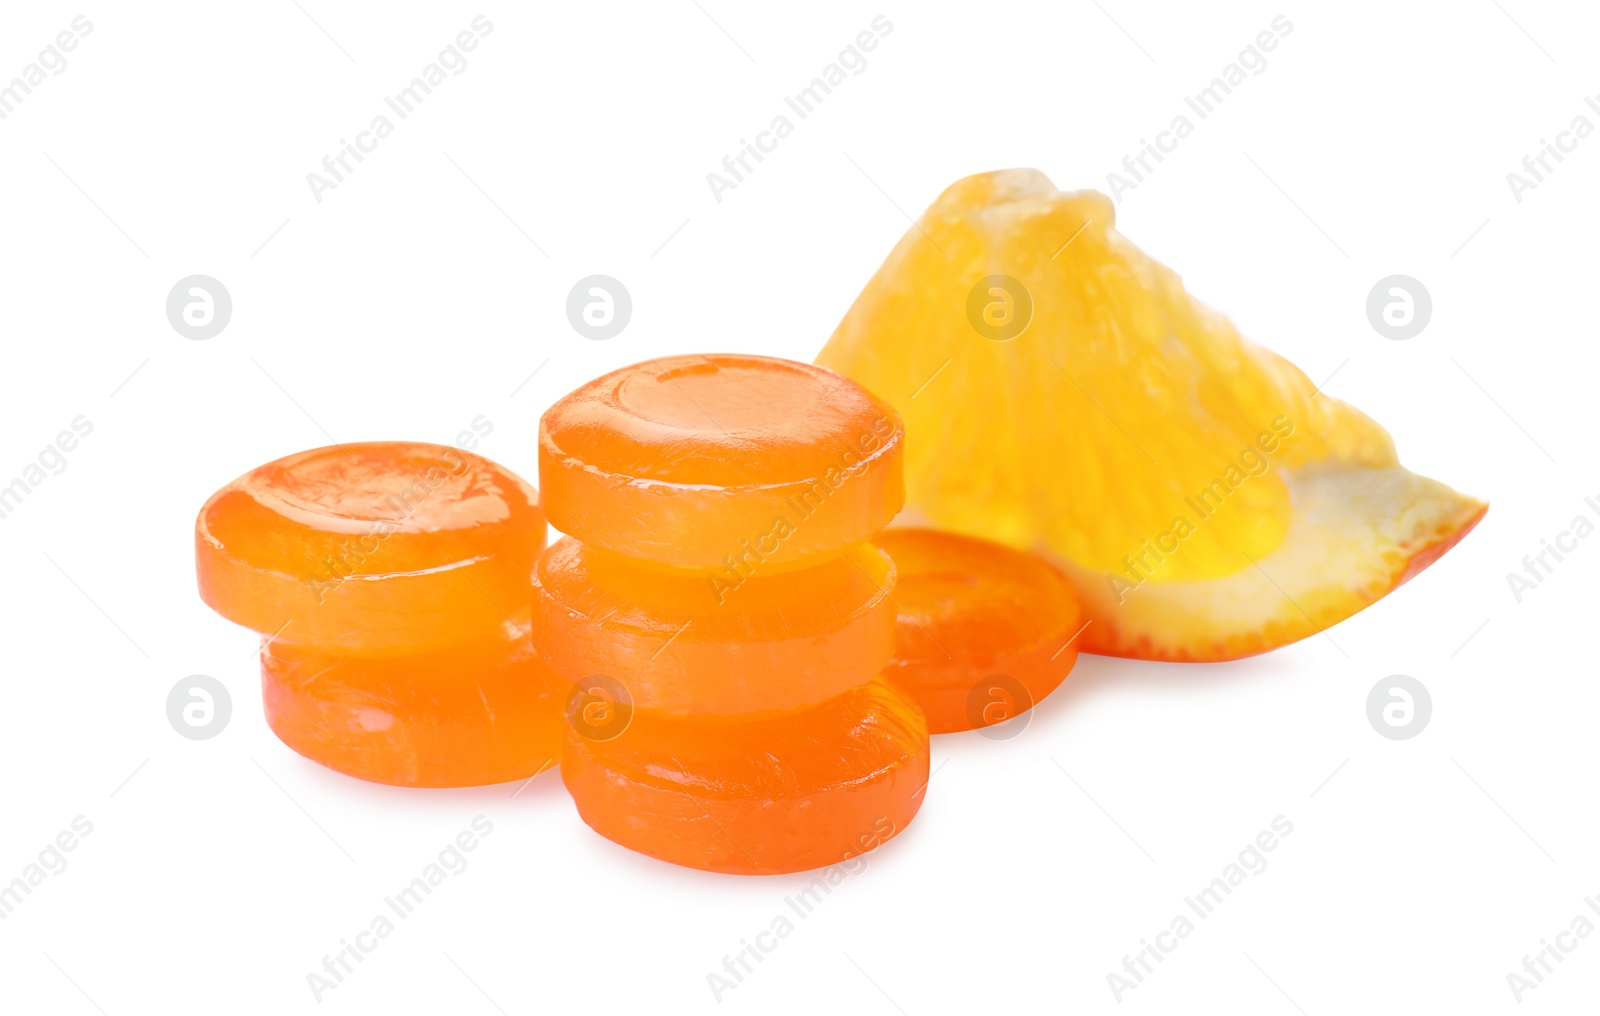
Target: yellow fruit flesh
{"x":1126,"y":419}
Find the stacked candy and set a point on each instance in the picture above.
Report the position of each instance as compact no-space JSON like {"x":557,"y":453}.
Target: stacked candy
{"x":390,"y":583}
{"x":721,"y":616}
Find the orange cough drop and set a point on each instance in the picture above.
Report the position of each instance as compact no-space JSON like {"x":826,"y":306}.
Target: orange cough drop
{"x":985,"y":631}
{"x":708,"y":461}
{"x":379,"y":548}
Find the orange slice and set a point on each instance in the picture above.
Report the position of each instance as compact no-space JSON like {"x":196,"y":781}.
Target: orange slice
{"x":1062,"y":392}
{"x":682,"y":642}
{"x":381,"y":548}
{"x":757,"y":797}
{"x":721,"y":461}
{"x":985,"y":631}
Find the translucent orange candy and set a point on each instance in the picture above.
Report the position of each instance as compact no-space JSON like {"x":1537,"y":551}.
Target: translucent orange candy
{"x":985,"y":631}
{"x":483,"y":711}
{"x":721,"y":461}
{"x":391,"y":582}
{"x":720,"y":618}
{"x":381,"y":548}
{"x":683,"y":645}
{"x":757,"y":797}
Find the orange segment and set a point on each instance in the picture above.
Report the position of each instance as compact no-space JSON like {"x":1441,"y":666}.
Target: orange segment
{"x":487,"y":710}
{"x":985,"y":631}
{"x":384,"y":547}
{"x":757,"y":797}
{"x":1062,"y":392}
{"x":681,"y":642}
{"x":717,"y":460}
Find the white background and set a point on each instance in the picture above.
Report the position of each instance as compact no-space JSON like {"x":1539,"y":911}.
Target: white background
{"x":412,"y":300}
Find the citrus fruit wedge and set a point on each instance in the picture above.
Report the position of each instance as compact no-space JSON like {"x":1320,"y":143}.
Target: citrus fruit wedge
{"x":1063,"y":393}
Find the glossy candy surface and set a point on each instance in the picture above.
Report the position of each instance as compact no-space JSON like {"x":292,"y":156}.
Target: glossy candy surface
{"x":720,"y":618}
{"x":985,"y":631}
{"x":390,"y":581}
{"x":681,"y":642}
{"x":756,"y":797}
{"x":702,"y":461}
{"x":381,"y":548}
{"x":487,"y":710}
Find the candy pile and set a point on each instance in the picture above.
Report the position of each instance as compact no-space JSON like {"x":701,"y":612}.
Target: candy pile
{"x":716,"y":573}
{"x":717,"y":652}
{"x":389,"y":582}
